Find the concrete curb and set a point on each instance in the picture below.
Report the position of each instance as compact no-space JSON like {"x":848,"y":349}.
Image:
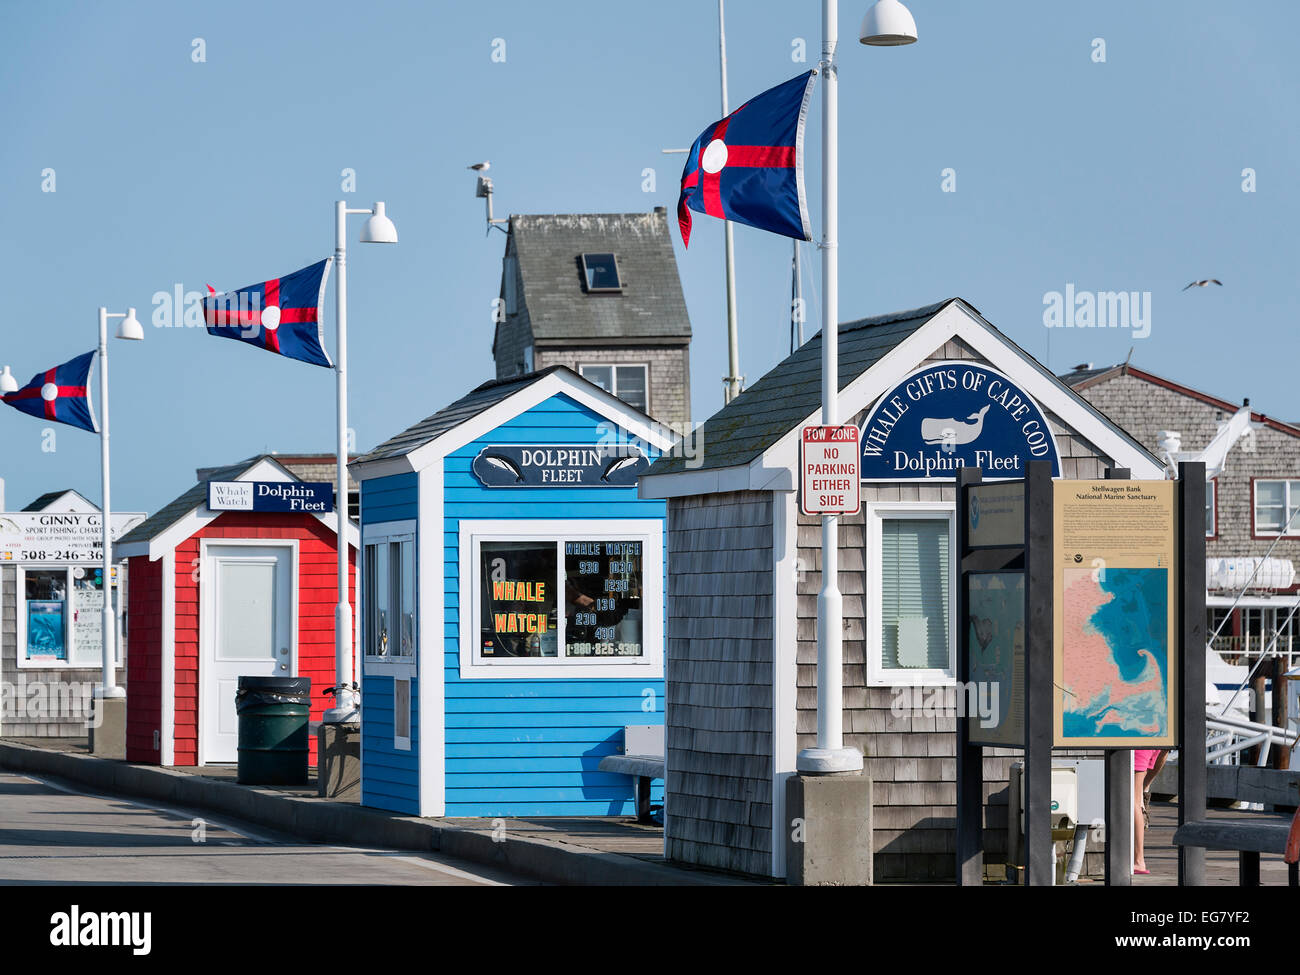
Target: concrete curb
{"x":337,"y":822}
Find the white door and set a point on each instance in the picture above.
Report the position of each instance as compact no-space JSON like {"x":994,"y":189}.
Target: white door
{"x":248,"y":631}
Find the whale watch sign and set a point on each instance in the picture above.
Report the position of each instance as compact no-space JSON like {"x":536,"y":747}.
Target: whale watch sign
{"x":949,"y":415}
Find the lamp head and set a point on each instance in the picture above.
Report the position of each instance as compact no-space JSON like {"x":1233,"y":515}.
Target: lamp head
{"x":8,"y":384}
{"x":888,"y":24}
{"x":130,"y":327}
{"x":378,"y":229}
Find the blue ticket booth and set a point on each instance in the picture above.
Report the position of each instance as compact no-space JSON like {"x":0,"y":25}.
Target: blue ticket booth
{"x":511,"y":620}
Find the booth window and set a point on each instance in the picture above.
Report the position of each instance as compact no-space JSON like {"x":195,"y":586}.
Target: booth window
{"x":1211,"y":528}
{"x":561,"y":597}
{"x":60,"y":617}
{"x":910,"y":595}
{"x":628,"y":382}
{"x":1276,"y":503}
{"x":388,"y":595}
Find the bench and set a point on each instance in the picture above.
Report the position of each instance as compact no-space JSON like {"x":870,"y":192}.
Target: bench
{"x":643,"y":759}
{"x":1249,"y":840}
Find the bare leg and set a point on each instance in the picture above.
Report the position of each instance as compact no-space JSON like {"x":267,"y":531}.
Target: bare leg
{"x":1139,"y":858}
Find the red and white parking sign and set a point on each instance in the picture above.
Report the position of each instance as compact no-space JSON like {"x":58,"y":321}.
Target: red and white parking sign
{"x":831,"y":471}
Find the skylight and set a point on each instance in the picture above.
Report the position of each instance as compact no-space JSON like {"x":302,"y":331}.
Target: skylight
{"x":600,"y":272}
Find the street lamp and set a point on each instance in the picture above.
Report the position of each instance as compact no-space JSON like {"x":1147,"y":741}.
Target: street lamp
{"x":886,"y":24}
{"x":131,"y":330}
{"x":378,"y":229}
{"x":8,"y":384}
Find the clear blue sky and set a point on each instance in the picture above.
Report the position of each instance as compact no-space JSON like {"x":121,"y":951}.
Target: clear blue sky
{"x":1123,"y":175}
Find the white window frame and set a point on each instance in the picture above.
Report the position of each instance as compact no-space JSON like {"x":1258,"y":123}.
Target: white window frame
{"x":878,"y":675}
{"x":1287,"y":505}
{"x":614,"y":367}
{"x":648,"y":531}
{"x":20,"y":613}
{"x":1212,"y":507}
{"x":382,"y":534}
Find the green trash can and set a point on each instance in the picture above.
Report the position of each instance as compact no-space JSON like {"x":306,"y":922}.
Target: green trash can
{"x":273,"y":715}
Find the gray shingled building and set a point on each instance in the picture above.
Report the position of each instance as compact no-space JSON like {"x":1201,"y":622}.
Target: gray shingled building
{"x":744,"y":570}
{"x":600,"y":294}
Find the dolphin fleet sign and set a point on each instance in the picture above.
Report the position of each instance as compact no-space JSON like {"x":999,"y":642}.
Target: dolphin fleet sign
{"x":949,"y":415}
{"x":559,"y":465}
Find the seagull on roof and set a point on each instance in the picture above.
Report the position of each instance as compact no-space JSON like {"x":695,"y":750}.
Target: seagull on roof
{"x":1205,"y":283}
{"x":480,"y":167}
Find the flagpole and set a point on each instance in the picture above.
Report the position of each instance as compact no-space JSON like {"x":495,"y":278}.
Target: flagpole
{"x":733,"y":332}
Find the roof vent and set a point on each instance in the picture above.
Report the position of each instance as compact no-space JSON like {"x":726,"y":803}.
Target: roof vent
{"x":1082,"y":366}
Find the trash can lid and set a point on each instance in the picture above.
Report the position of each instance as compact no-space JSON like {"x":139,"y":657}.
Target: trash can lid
{"x":278,"y":685}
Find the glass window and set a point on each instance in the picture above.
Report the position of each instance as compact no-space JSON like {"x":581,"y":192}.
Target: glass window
{"x":519,"y":590}
{"x":1276,"y":504}
{"x":628,"y":382}
{"x":389,"y":595}
{"x":46,"y":591}
{"x":914,"y":592}
{"x":602,"y":599}
{"x":600,"y":272}
{"x":1210,"y":487}
{"x":517,"y":599}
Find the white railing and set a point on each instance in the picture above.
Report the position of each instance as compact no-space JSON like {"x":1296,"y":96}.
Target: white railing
{"x":1226,"y":738}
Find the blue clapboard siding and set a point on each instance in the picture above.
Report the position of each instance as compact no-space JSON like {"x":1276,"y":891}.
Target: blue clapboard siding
{"x":532,"y":747}
{"x":390,"y":778}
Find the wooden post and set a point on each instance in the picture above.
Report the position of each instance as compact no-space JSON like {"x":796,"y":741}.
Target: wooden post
{"x":970,"y":758}
{"x":1039,"y":702}
{"x":1192,"y":773}
{"x":1281,"y":754}
{"x":1119,"y":779}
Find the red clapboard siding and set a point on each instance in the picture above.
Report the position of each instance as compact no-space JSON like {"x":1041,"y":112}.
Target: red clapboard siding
{"x":317,"y":594}
{"x":144,"y":652}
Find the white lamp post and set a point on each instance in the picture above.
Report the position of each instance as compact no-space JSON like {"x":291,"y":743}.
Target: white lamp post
{"x":132,"y":330}
{"x":886,"y":24}
{"x":377,"y":230}
{"x":8,"y":384}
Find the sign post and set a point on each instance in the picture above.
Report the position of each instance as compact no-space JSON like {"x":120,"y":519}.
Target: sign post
{"x":830,"y":480}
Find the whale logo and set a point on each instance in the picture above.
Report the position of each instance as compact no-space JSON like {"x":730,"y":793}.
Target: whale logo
{"x":952,"y":432}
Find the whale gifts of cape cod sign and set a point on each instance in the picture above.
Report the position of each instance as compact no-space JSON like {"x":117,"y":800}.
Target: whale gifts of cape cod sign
{"x":949,"y":415}
{"x":560,"y":465}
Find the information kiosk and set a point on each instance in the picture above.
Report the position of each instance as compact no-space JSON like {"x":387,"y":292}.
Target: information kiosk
{"x":512,"y":610}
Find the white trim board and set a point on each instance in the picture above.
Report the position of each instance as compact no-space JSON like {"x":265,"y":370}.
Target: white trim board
{"x":774,"y":469}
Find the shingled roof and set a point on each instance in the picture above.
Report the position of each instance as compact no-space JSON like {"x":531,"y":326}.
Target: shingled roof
{"x":790,"y":392}
{"x":465,"y":408}
{"x":554,"y":302}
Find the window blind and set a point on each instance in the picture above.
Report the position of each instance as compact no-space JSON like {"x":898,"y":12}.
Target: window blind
{"x":914,"y":575}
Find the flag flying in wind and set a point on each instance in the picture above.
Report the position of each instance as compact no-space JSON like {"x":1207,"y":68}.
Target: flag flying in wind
{"x":60,"y":394}
{"x":748,"y":167}
{"x":281,"y":315}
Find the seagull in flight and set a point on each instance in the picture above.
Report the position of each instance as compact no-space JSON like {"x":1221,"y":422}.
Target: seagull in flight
{"x":480,"y":167}
{"x":1205,"y":283}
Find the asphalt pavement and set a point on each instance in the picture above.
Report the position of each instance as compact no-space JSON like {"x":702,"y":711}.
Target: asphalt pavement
{"x":54,"y":833}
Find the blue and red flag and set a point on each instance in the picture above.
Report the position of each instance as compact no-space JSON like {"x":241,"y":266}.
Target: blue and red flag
{"x":60,"y":394}
{"x":748,"y":167}
{"x":281,"y":315}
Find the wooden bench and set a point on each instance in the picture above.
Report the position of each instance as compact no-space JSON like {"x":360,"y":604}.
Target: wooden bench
{"x":1249,"y":840}
{"x":643,"y":768}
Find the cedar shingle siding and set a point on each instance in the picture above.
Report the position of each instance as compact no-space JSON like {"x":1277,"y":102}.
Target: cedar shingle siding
{"x":719,"y":681}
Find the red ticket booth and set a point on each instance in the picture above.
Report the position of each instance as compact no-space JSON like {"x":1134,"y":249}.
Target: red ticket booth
{"x":221,"y":594}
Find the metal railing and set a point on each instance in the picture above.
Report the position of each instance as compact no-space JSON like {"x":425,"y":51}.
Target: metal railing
{"x":1226,"y":738}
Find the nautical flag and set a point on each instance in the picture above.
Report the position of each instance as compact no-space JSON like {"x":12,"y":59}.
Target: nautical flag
{"x":281,"y":315}
{"x":748,"y":167}
{"x":60,"y":394}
